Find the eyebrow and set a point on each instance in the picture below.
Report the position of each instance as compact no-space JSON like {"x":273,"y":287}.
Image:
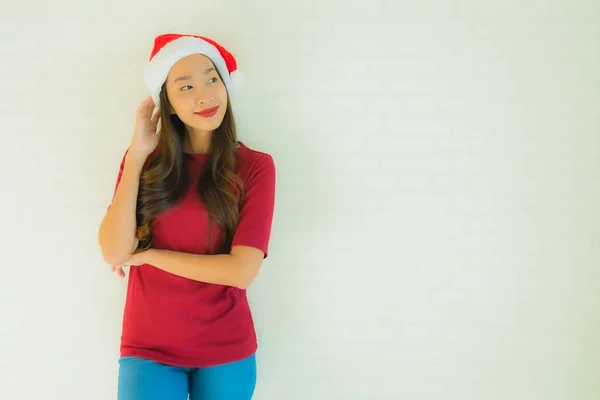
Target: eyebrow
{"x":187,"y":77}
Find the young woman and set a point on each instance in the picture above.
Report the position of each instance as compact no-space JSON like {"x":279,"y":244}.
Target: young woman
{"x":191,"y":215}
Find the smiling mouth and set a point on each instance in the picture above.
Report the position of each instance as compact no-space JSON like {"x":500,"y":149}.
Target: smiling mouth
{"x":209,"y":112}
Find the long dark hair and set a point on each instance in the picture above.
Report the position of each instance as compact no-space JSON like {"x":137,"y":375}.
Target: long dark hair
{"x":164,"y":180}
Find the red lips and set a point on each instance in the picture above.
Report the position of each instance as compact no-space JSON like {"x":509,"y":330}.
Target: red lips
{"x":209,"y":112}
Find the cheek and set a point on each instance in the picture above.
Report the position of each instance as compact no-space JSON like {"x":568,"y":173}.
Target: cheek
{"x":222,"y":93}
{"x":172,"y":97}
{"x":179,"y":102}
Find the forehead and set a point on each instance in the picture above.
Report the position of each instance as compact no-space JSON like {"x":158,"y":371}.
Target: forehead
{"x":190,"y":65}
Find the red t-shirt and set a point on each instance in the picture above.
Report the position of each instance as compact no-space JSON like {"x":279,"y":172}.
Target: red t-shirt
{"x":182,"y":322}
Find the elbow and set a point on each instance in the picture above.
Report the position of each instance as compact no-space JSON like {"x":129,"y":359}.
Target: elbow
{"x":112,"y":254}
{"x":113,"y":251}
{"x":246,"y":272}
{"x":244,"y":278}
{"x":246,"y":264}
{"x":114,"y":257}
{"x":243,"y":285}
{"x":238,"y":279}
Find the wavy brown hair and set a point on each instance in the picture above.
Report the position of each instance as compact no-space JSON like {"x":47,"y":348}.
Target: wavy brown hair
{"x":164,"y":180}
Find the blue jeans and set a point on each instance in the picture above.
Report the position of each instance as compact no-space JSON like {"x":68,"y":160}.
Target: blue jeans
{"x":141,"y":379}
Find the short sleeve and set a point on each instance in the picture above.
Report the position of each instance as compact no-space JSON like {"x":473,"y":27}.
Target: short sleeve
{"x":256,"y":211}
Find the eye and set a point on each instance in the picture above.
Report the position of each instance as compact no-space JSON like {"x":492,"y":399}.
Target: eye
{"x":184,"y":87}
{"x":213,"y":80}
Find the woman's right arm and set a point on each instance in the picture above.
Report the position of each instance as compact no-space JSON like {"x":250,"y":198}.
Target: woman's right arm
{"x":116,"y":234}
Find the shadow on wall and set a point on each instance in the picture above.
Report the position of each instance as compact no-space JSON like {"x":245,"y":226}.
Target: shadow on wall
{"x":279,"y":297}
{"x":111,"y":107}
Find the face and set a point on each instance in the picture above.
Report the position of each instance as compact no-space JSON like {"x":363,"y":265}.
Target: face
{"x":194,"y":90}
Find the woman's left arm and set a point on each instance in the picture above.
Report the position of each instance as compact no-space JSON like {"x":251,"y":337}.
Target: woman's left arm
{"x":238,"y":269}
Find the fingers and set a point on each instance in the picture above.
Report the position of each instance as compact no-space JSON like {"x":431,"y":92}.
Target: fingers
{"x":155,"y":118}
{"x":118,"y":270}
{"x":145,"y":109}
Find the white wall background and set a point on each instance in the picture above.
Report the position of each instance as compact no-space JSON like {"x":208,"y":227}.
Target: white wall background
{"x":437,"y":224}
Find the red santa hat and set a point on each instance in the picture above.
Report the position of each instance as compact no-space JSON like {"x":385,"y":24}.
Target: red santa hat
{"x":171,"y":47}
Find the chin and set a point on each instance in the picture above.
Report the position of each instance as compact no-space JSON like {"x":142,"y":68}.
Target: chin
{"x":207,"y":126}
{"x":210,"y":128}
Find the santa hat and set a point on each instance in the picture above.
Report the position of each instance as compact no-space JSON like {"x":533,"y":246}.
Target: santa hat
{"x":170,"y":48}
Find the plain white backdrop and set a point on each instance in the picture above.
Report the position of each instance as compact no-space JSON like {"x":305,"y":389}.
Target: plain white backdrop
{"x":437,"y":226}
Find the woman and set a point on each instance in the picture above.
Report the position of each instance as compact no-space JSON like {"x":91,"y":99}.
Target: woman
{"x":191,"y":214}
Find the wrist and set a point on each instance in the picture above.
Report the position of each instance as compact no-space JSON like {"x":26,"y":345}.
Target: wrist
{"x":148,"y":256}
{"x":135,"y":158}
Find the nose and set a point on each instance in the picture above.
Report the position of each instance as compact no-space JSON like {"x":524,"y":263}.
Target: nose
{"x":203,"y":97}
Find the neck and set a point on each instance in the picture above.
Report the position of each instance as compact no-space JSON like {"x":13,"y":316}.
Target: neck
{"x":197,"y":141}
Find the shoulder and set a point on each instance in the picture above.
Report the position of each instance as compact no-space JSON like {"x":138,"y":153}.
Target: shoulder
{"x":253,"y":161}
